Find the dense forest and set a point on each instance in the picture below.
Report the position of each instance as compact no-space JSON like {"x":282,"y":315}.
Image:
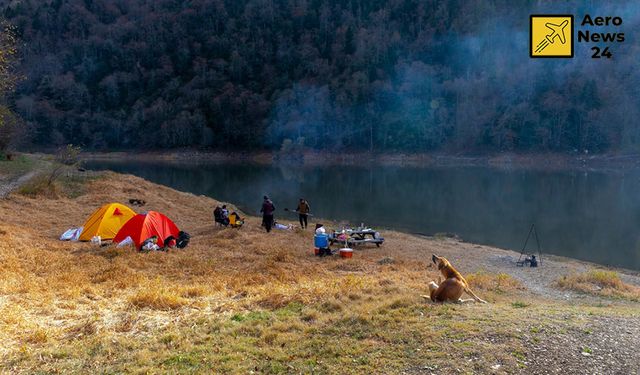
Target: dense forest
{"x":9,"y":123}
{"x":369,"y":75}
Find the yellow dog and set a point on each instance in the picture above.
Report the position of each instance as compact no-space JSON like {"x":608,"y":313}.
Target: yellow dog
{"x":453,"y":286}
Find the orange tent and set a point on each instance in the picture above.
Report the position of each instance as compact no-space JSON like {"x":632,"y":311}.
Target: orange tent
{"x":144,"y":226}
{"x":106,"y":221}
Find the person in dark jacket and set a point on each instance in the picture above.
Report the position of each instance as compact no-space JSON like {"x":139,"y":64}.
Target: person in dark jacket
{"x":217,"y":215}
{"x":267,"y":213}
{"x":303,"y":212}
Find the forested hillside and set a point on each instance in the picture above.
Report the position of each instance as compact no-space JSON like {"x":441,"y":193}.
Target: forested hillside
{"x":385,"y":76}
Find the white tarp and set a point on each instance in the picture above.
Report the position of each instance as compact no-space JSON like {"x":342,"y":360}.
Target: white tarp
{"x":71,"y":234}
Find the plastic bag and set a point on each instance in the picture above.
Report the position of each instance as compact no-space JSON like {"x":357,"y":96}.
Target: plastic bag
{"x":71,"y":234}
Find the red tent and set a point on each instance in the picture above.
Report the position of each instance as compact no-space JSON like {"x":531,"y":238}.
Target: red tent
{"x":143,"y":226}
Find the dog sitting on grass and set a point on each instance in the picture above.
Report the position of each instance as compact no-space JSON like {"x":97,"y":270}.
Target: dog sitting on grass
{"x":453,"y":286}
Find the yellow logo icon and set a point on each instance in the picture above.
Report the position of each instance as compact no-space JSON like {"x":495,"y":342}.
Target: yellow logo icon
{"x":551,"y":35}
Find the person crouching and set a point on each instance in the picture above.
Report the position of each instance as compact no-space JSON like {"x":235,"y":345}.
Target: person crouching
{"x":321,"y":241}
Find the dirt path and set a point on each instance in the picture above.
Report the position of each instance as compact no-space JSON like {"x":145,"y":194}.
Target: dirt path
{"x":6,"y":187}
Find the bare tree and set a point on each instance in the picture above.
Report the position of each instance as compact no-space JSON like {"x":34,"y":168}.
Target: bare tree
{"x":8,"y":80}
{"x":65,"y":157}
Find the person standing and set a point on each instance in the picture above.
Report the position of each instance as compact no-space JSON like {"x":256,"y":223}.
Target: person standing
{"x":267,"y":213}
{"x":303,"y":212}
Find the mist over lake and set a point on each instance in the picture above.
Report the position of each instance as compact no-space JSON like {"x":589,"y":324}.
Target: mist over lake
{"x":593,"y":216}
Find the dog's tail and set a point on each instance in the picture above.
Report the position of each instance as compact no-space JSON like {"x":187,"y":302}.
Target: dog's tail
{"x":472,"y":294}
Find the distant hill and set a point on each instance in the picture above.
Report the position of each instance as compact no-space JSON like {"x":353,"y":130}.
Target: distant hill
{"x":386,"y":76}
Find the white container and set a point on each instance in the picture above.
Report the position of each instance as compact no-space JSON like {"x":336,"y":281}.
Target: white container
{"x":96,"y":240}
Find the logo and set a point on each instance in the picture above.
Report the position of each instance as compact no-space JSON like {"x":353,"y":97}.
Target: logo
{"x":551,"y":35}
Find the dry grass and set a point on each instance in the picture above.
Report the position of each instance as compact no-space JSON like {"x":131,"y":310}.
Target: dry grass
{"x":242,"y":299}
{"x":157,"y":299}
{"x":499,"y":283}
{"x":81,"y":329}
{"x":38,"y":336}
{"x":600,"y":282}
{"x":193,"y":291}
{"x":71,"y":185}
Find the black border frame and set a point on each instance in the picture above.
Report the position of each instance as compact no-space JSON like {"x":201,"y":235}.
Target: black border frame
{"x":531,"y":36}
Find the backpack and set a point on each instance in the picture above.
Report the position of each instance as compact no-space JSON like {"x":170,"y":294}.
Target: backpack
{"x":183,"y":240}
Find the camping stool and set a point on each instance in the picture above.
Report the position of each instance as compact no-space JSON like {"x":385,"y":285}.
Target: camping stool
{"x":531,"y":260}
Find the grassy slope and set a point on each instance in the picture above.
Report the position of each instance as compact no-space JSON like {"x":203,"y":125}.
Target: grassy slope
{"x":242,"y":300}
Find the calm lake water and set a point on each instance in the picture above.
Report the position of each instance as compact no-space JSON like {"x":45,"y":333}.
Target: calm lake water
{"x":593,"y":216}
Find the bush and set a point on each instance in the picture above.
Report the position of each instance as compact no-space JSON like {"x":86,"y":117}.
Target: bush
{"x":68,"y":156}
{"x":519,"y":304}
{"x":600,"y":282}
{"x":38,"y":186}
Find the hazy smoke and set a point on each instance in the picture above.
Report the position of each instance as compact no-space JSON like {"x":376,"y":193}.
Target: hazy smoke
{"x":478,"y":79}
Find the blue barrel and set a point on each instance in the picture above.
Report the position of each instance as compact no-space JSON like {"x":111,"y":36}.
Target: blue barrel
{"x":321,"y":241}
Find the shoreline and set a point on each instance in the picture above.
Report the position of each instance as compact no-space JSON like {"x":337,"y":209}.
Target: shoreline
{"x":546,"y":161}
{"x":262,"y":158}
{"x":445,"y":161}
{"x":550,"y":256}
{"x":151,"y":157}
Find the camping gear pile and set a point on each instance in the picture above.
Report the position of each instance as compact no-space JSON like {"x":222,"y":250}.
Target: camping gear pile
{"x":222,"y":217}
{"x":348,"y":238}
{"x":117,"y":222}
{"x":346,"y":251}
{"x":358,"y":236}
{"x":235,"y":221}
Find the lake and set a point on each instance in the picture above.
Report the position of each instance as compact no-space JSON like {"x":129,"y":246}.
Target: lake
{"x":593,"y":216}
